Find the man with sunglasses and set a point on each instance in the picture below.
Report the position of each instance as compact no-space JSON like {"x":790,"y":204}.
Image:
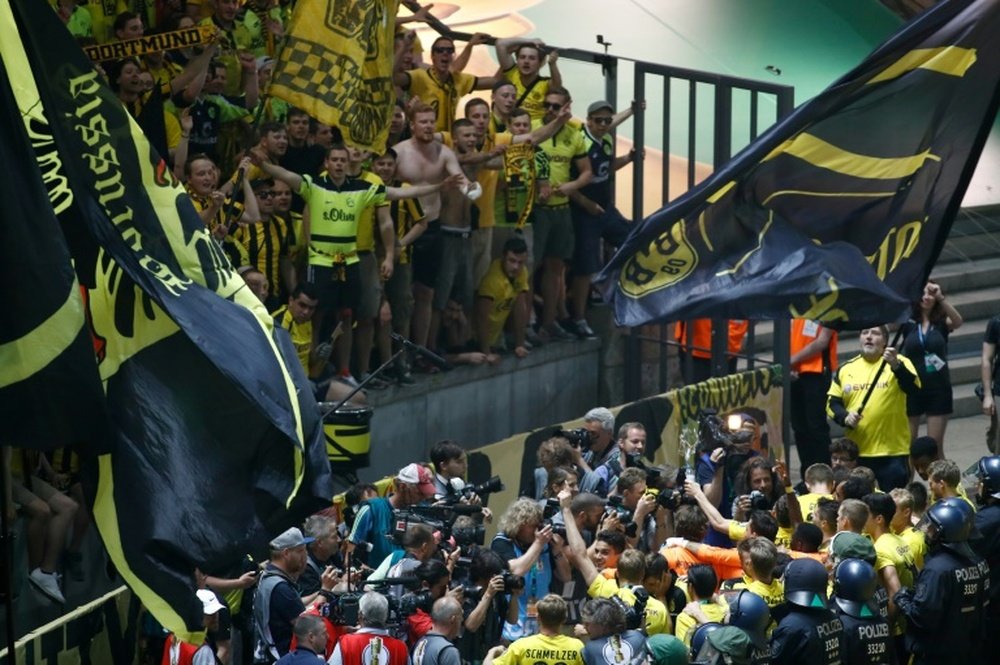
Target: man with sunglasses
{"x":268,"y":244}
{"x":438,"y":86}
{"x":594,"y":214}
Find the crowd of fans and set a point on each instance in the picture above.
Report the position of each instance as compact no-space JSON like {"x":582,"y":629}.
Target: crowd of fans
{"x":473,"y":236}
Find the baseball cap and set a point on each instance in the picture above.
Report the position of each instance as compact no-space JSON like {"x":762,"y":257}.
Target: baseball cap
{"x":850,"y":545}
{"x":730,"y":641}
{"x":417,"y":474}
{"x":599,"y":106}
{"x":291,"y":538}
{"x":209,"y":601}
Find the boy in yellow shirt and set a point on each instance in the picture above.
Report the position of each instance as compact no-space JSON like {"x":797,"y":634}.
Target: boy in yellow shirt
{"x":548,"y":647}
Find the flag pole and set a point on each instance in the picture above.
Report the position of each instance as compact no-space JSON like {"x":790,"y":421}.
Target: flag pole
{"x":871,"y":386}
{"x":5,"y":575}
{"x":238,"y":183}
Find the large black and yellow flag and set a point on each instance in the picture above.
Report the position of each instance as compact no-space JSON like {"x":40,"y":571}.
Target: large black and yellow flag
{"x":336,"y":65}
{"x":213,"y":440}
{"x":839,"y":211}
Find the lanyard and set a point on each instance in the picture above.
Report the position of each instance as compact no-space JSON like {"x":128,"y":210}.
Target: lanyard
{"x":920,"y":335}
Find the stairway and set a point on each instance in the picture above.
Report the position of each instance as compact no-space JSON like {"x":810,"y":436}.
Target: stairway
{"x":968,"y":271}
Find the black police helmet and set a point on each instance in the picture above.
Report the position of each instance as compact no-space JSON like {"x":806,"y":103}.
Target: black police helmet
{"x":805,"y":583}
{"x":988,"y":471}
{"x":700,"y":635}
{"x":854,"y":583}
{"x":748,"y":611}
{"x":951,"y":522}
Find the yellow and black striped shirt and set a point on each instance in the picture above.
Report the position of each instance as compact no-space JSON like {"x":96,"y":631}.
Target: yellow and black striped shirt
{"x":265,"y":243}
{"x":405,"y":213}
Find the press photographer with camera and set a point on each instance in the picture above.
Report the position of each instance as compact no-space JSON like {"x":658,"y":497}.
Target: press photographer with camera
{"x":630,"y":444}
{"x":435,"y":578}
{"x":532,"y":552}
{"x":498,"y":592}
{"x":723,"y":448}
{"x":374,"y":520}
{"x":596,"y":445}
{"x":757,"y":487}
{"x":627,"y":583}
{"x":277,"y":601}
{"x":419,"y":545}
{"x":450,"y":461}
{"x":372,"y":633}
{"x":645,"y":520}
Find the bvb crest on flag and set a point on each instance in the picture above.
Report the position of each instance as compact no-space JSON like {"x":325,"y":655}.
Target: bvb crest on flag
{"x":337,"y":66}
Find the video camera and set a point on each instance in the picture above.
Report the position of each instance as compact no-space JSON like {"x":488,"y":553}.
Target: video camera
{"x":714,"y":432}
{"x":578,"y":438}
{"x":344,"y":609}
{"x":441,"y":519}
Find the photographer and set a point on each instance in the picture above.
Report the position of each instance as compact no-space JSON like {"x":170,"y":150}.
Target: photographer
{"x":434,"y":576}
{"x":373,"y":613}
{"x":450,"y":461}
{"x":499,"y":601}
{"x":757,"y":487}
{"x":320,"y":553}
{"x":374,"y":520}
{"x":532,"y":552}
{"x":600,"y":423}
{"x":419,"y":545}
{"x":631,"y":442}
{"x":645,"y":520}
{"x":721,"y":453}
{"x":553,"y":453}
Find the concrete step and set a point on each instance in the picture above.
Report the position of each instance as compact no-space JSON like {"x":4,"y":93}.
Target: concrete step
{"x":965,"y":402}
{"x":963,"y":248}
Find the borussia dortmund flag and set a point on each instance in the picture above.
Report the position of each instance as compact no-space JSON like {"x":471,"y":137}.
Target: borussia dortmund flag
{"x":838,"y":212}
{"x":336,"y":65}
{"x":213,"y":436}
{"x":50,"y":391}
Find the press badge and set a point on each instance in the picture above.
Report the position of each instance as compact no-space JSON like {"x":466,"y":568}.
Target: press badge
{"x":532,"y":609}
{"x":933,"y":363}
{"x":810,"y":329}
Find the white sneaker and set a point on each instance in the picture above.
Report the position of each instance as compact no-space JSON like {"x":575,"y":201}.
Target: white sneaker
{"x":47,"y":583}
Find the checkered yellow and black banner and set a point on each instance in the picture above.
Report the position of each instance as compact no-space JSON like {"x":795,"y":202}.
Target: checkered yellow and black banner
{"x":337,"y":66}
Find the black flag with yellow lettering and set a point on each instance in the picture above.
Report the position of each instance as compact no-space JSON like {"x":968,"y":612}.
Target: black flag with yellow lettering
{"x":839,"y":211}
{"x":215,"y":442}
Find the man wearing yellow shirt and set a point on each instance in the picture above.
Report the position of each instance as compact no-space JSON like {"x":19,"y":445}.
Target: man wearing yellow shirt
{"x":532,"y":88}
{"x":438,"y":86}
{"x":902,"y":526}
{"x":881,"y":429}
{"x":548,"y":647}
{"x":705,"y":608}
{"x":758,"y":557}
{"x":553,"y":222}
{"x":944,"y":479}
{"x":503,"y":294}
{"x":893,"y":560}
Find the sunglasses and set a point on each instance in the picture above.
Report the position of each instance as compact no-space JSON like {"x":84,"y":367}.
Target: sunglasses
{"x":601,"y":121}
{"x":552,"y":107}
{"x":444,"y":49}
{"x":266,"y":195}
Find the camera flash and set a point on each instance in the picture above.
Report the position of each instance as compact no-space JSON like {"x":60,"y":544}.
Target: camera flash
{"x":734,"y":422}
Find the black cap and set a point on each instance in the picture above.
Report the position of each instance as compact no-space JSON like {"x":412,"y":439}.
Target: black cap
{"x":806,"y":583}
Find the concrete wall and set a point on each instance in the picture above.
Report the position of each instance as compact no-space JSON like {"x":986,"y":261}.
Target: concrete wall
{"x":479,"y":405}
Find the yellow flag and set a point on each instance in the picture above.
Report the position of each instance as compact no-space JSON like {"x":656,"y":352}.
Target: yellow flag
{"x":336,"y":65}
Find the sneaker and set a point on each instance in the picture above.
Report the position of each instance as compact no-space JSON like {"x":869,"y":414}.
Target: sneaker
{"x":48,"y":584}
{"x":583,"y":330}
{"x":375,"y":383}
{"x":556,"y":332}
{"x":74,"y":566}
{"x":348,"y":380}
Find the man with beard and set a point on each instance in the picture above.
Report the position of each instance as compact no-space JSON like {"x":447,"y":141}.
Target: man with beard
{"x":421,"y":160}
{"x":882,"y":431}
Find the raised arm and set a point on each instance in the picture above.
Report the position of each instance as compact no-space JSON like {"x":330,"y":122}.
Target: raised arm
{"x":293,"y":180}
{"x":576,"y":547}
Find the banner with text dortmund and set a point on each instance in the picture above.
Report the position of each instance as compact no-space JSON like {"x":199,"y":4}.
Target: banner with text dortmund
{"x":839,"y":211}
{"x":214,"y":435}
{"x":336,"y":66}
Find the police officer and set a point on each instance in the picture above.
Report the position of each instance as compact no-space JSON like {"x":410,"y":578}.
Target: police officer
{"x":808,"y":632}
{"x":987,"y":521}
{"x":944,"y":609}
{"x":749,"y":611}
{"x":867,"y":637}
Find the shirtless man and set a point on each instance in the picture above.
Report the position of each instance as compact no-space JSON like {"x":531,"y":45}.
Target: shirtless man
{"x":423,"y":161}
